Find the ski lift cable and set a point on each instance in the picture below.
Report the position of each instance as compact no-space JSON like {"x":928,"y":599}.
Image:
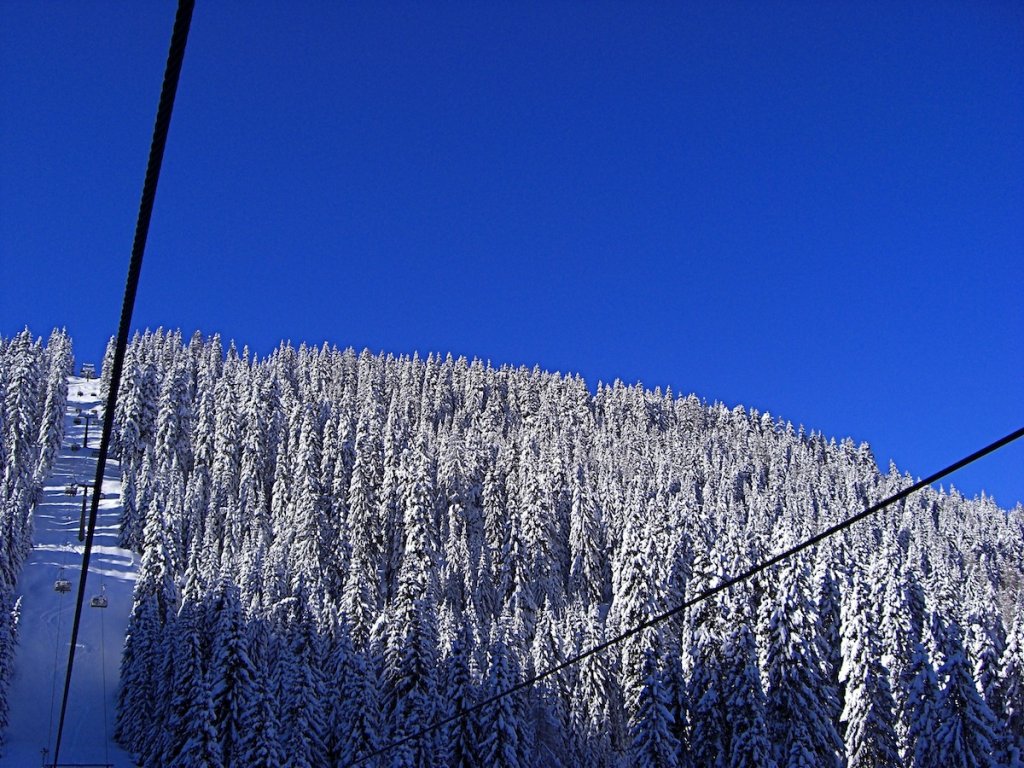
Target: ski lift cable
{"x":707,"y":593}
{"x":172,"y":72}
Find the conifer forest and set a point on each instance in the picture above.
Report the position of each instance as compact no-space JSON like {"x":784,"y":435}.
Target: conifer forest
{"x":33,"y":393}
{"x":338,"y":549}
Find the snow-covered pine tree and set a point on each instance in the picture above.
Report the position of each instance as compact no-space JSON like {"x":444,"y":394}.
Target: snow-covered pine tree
{"x":589,"y":573}
{"x":708,"y":712}
{"x":190,"y":735}
{"x":800,"y":699}
{"x":547,"y":698}
{"x":966,"y":730}
{"x":1011,"y":689}
{"x":231,"y":671}
{"x":654,"y":744}
{"x":597,"y":714}
{"x":362,"y":592}
{"x":258,"y":745}
{"x":501,"y":723}
{"x":412,"y":651}
{"x":59,"y":364}
{"x":303,"y":721}
{"x":360,"y":709}
{"x":461,"y":748}
{"x":868,"y":707}
{"x":749,"y":744}
{"x":921,"y":748}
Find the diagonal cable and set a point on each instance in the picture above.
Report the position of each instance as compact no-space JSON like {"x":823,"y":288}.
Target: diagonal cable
{"x":175,"y":57}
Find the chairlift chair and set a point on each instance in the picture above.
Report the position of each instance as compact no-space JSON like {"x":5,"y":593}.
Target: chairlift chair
{"x":71,"y":489}
{"x":61,"y":585}
{"x":100,"y":600}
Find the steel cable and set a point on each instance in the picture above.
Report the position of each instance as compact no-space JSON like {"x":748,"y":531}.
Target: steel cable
{"x":172,"y":72}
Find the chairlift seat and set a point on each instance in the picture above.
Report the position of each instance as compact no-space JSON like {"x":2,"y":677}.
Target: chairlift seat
{"x":62,"y":585}
{"x":98,"y":601}
{"x":71,"y":489}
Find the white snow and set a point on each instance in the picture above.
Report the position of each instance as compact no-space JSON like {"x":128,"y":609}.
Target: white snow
{"x":44,"y":630}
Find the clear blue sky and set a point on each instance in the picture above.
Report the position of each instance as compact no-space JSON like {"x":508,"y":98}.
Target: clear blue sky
{"x":813,"y":209}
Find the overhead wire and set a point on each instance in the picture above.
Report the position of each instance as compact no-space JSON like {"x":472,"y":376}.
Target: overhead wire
{"x":707,"y":593}
{"x":172,"y":72}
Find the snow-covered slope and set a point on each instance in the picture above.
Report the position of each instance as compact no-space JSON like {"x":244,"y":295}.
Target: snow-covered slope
{"x":46,"y":616}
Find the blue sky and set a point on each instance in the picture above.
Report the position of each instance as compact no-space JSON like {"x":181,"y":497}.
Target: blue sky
{"x":808,"y":208}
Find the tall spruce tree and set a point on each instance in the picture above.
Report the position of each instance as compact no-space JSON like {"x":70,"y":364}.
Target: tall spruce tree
{"x":966,"y":728}
{"x":654,"y":744}
{"x":869,"y":708}
{"x":800,"y":699}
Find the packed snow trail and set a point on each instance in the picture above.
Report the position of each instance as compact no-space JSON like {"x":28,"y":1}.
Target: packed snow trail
{"x":44,"y":630}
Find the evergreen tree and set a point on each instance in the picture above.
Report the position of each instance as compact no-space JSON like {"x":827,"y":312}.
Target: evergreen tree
{"x":922,"y":749}
{"x":232,"y":672}
{"x":258,"y":739}
{"x":654,"y":745}
{"x":8,"y":641}
{"x":500,"y":723}
{"x":360,"y":713}
{"x":461,"y":739}
{"x":587,"y":565}
{"x":745,"y":702}
{"x":1011,"y":690}
{"x":548,"y":712}
{"x":799,"y":697}
{"x":413,"y":643}
{"x":966,"y":728}
{"x":597,"y":715}
{"x":869,"y":706}
{"x":709,"y":717}
{"x":191,"y":738}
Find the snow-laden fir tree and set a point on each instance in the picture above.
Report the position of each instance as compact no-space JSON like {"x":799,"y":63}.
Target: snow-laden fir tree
{"x":503,"y":741}
{"x":869,"y":709}
{"x":966,"y":730}
{"x":749,"y":744}
{"x":800,"y":699}
{"x":653,"y":742}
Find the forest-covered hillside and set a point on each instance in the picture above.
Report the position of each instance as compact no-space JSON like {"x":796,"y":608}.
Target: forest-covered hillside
{"x":341,"y":548}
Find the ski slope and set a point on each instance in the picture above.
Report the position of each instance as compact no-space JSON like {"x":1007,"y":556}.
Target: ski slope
{"x":44,"y":632}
